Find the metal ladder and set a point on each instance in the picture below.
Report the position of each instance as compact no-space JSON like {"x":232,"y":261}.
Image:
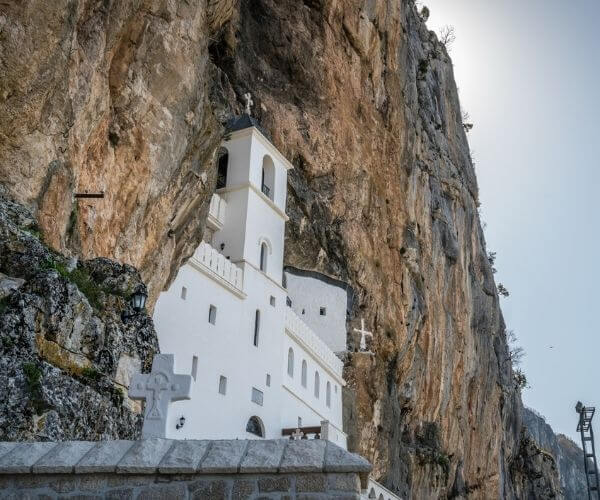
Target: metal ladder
{"x":584,"y":427}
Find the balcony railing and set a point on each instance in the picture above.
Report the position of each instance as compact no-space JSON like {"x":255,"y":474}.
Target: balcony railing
{"x":305,"y":335}
{"x":378,"y":491}
{"x":266,"y":190}
{"x":216,"y":265}
{"x":216,"y":212}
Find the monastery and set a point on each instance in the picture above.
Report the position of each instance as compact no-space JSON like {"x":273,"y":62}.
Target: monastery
{"x":260,"y":341}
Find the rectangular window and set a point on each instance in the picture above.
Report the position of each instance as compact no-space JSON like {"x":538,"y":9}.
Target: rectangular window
{"x":212,"y":315}
{"x":183,"y":292}
{"x":323,"y":311}
{"x":194,"y":367}
{"x":222,"y":385}
{"x":272,"y":301}
{"x":257,"y":396}
{"x":268,"y":380}
{"x":256,"y":328}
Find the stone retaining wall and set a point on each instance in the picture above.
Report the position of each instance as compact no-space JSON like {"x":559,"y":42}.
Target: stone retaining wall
{"x":160,"y":468}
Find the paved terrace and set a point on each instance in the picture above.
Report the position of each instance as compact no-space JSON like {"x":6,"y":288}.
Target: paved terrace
{"x":162,"y":468}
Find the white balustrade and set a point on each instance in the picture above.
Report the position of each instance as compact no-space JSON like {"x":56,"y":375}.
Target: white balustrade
{"x":216,"y":211}
{"x":378,"y":492}
{"x":303,"y":332}
{"x":217,"y":264}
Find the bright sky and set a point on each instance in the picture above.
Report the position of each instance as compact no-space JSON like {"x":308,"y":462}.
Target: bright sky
{"x":528,"y":74}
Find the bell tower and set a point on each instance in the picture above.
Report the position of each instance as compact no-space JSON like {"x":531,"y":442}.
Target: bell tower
{"x":253,"y":181}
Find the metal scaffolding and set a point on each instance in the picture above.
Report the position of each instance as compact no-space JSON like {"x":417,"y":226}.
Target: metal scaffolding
{"x":584,"y":427}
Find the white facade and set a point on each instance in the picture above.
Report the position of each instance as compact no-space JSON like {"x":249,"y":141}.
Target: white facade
{"x":322,"y":304}
{"x":207,"y":317}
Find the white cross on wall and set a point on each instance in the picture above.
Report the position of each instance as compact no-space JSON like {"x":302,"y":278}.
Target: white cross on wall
{"x":363,"y":333}
{"x":297,"y":434}
{"x":158,"y":389}
{"x":249,"y":103}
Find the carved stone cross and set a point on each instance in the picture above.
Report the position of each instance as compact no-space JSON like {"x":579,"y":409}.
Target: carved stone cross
{"x":363,"y":333}
{"x":249,"y":103}
{"x":158,"y":389}
{"x":297,"y":435}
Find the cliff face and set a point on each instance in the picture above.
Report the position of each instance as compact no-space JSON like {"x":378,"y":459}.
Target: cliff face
{"x":66,"y":356}
{"x":127,"y":98}
{"x":567,"y":455}
{"x":111,"y":96}
{"x":361,"y":97}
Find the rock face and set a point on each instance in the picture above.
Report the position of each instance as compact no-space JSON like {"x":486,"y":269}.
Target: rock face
{"x":568,"y":455}
{"x":361,"y":97}
{"x":111,"y":96}
{"x":66,"y":356}
{"x":127,"y":98}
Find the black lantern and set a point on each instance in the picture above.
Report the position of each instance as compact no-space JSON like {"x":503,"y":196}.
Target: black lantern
{"x":137,"y":302}
{"x":138,"y":299}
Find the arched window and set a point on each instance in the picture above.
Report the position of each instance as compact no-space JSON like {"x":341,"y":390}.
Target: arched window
{"x":256,"y":327}
{"x":328,"y":394}
{"x":317,"y":385}
{"x":268,"y":177}
{"x":372,"y":493}
{"x":264,"y":250}
{"x":222,"y":165}
{"x":291,"y":362}
{"x":303,"y":379}
{"x":255,"y":426}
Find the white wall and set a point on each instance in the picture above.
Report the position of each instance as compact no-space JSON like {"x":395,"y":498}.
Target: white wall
{"x":225,"y":348}
{"x":300,"y":401}
{"x":308,"y":295}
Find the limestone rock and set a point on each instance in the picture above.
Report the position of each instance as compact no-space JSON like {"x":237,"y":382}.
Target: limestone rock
{"x":96,"y":96}
{"x":62,"y":340}
{"x":127,"y":98}
{"x":361,"y":97}
{"x":567,"y":455}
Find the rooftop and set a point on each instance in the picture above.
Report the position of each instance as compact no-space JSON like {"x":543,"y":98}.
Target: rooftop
{"x":245,"y":121}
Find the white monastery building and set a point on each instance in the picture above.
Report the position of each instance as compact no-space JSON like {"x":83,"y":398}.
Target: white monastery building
{"x":260,"y":343}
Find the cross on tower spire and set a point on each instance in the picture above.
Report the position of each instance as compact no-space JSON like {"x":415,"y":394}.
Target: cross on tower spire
{"x":249,"y":103}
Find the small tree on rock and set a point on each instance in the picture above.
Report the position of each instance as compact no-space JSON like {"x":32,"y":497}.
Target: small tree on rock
{"x":447,"y":36}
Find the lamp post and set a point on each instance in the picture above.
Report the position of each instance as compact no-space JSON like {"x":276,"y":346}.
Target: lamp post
{"x":137,"y":302}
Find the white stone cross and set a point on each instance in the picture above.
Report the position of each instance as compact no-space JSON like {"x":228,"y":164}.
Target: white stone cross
{"x":297,"y":434}
{"x":158,"y":389}
{"x":363,"y":333}
{"x":249,"y":103}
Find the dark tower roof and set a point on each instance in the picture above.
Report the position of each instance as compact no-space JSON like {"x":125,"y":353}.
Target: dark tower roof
{"x":245,"y":121}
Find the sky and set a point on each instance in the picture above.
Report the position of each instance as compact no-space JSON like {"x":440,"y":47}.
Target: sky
{"x":528,"y":73}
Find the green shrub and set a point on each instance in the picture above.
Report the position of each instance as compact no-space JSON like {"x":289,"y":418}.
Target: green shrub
{"x":91,"y":373}
{"x":82,"y":279}
{"x":33,"y":376}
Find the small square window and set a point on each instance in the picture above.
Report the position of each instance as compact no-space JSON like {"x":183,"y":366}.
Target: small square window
{"x":257,"y":396}
{"x":268,"y":380}
{"x":212,"y":315}
{"x":183,"y":292}
{"x":323,"y":311}
{"x":222,"y":385}
{"x":272,"y":301}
